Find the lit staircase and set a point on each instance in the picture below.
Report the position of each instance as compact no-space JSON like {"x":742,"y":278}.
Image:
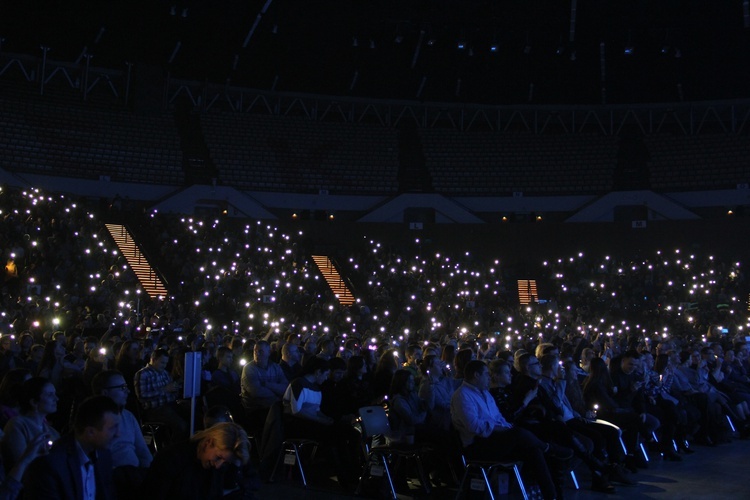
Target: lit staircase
{"x":150,"y":281}
{"x":527,"y":292}
{"x":334,"y":280}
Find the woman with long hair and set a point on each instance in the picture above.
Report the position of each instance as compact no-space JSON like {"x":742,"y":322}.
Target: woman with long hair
{"x":407,"y":410}
{"x":387,"y":366}
{"x":37,"y":399}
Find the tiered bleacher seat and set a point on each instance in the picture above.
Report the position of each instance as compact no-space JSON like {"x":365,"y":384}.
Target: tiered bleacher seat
{"x":266,"y":153}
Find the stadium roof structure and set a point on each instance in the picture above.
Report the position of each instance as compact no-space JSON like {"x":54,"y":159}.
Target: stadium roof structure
{"x":480,"y":51}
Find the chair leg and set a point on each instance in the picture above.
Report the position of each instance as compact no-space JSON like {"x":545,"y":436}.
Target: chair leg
{"x":462,"y":483}
{"x":388,"y":475}
{"x":272,"y":477}
{"x":644,"y":452}
{"x":575,"y":479}
{"x":624,"y":448}
{"x":299,"y":465}
{"x":487,"y":483}
{"x":520,"y":482}
{"x":731,"y":424}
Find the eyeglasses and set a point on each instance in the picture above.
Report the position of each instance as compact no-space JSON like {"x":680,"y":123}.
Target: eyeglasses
{"x":122,"y":387}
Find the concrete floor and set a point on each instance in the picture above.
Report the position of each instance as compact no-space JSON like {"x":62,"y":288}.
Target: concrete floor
{"x":710,"y":472}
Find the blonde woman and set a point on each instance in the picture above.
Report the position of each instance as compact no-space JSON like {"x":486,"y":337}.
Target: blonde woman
{"x":196,"y":469}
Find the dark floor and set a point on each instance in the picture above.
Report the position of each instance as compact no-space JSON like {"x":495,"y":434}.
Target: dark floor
{"x":710,"y":472}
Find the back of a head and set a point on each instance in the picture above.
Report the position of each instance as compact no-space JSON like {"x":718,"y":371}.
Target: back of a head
{"x":91,"y":412}
{"x":462,"y":358}
{"x":157,"y":354}
{"x":472,"y":368}
{"x":313,"y":364}
{"x":548,"y":361}
{"x":543,"y":349}
{"x":102,"y":380}
{"x":522,"y":362}
{"x":497,"y":364}
{"x":354,"y":365}
{"x":337,"y":364}
{"x":217,"y":414}
{"x":399,"y":381}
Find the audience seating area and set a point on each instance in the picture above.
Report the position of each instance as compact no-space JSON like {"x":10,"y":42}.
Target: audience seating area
{"x":703,"y":161}
{"x":74,"y":140}
{"x":486,"y":163}
{"x":59,"y":135}
{"x":278,"y":153}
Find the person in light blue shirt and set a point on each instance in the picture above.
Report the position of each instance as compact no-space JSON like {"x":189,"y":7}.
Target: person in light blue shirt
{"x":486,"y":435}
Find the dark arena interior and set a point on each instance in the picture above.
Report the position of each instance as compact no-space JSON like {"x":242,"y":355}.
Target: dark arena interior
{"x":237,"y":234}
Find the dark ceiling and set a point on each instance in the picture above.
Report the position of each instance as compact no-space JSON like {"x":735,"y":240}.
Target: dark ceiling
{"x":409,"y":49}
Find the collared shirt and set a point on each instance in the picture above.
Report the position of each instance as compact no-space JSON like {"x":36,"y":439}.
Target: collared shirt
{"x":88,"y":477}
{"x":149,"y":387}
{"x":129,"y":447}
{"x":474,"y":413}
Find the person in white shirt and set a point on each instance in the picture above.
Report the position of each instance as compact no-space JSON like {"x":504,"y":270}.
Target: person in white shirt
{"x":486,"y":435}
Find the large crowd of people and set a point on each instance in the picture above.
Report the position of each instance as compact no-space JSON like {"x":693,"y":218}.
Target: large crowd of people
{"x":628,"y":356}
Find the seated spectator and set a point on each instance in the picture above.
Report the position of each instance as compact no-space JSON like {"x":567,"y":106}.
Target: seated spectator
{"x":34,"y":358}
{"x":224,"y":376}
{"x":501,"y":391}
{"x":96,"y":362}
{"x":290,"y":361}
{"x":332,"y":404}
{"x":37,"y":399}
{"x":51,"y":365}
{"x":193,"y":469}
{"x":82,"y":454}
{"x":131,"y":456}
{"x":327,"y":349}
{"x":436,"y":391}
{"x":598,"y":391}
{"x":388,"y":363}
{"x":486,"y":435}
{"x":305,"y":419}
{"x":157,"y":395}
{"x":354,"y":390}
{"x":128,"y":362}
{"x":413,"y":355}
{"x":263,"y":383}
{"x":10,"y":353}
{"x":10,"y":388}
{"x":408,"y":412}
{"x":578,"y":429}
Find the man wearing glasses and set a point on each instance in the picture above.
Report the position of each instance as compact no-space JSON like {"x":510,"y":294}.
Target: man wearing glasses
{"x":131,"y":456}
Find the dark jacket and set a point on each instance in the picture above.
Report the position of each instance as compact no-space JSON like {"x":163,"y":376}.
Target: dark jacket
{"x":58,"y":474}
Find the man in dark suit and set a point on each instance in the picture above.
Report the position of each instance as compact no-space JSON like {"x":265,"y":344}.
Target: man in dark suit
{"x":79,"y":466}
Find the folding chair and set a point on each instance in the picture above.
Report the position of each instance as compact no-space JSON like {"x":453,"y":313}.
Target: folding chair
{"x":374,"y":422}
